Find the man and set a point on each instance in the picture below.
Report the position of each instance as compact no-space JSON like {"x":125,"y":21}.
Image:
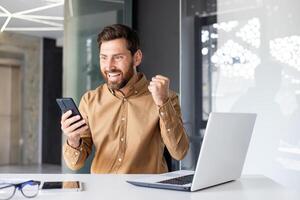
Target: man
{"x":128,"y":119}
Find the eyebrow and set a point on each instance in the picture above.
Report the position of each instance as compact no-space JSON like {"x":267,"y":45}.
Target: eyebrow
{"x":118,"y":54}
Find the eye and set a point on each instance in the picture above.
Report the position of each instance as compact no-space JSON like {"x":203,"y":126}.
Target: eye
{"x":103,"y":57}
{"x":118,"y":57}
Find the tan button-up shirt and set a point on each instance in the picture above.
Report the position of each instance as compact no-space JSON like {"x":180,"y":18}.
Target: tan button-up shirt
{"x":129,"y":132}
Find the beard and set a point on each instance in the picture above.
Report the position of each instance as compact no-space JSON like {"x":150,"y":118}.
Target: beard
{"x":126,"y":76}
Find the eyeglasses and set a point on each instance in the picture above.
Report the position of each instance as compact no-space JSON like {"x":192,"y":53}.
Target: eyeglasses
{"x":29,"y":189}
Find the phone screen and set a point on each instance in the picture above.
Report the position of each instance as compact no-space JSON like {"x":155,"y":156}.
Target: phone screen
{"x":62,"y":185}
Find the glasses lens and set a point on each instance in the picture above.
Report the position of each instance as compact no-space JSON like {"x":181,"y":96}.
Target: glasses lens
{"x":30,"y":189}
{"x":6,"y":191}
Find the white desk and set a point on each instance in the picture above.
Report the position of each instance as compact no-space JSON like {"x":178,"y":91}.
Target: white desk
{"x":111,"y":187}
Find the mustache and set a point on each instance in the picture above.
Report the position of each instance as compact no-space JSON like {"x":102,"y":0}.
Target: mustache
{"x":112,"y":71}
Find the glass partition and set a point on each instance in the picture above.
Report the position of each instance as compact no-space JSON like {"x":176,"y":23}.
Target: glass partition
{"x":246,"y":59}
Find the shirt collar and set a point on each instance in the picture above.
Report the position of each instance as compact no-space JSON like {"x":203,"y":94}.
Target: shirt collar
{"x":138,"y":84}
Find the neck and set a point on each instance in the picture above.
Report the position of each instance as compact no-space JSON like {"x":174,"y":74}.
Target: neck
{"x":126,"y":89}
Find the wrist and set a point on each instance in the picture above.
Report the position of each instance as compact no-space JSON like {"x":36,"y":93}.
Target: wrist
{"x":162,"y":102}
{"x":75,"y":143}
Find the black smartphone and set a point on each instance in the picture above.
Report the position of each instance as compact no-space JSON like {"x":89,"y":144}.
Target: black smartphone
{"x":67,"y":104}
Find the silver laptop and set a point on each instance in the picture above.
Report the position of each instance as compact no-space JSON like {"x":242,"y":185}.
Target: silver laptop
{"x":221,"y":159}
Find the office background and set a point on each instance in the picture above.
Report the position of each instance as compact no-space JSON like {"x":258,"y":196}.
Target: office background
{"x":225,"y":56}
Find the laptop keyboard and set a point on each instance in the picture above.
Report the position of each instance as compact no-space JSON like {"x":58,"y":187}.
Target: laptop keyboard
{"x":182,"y":180}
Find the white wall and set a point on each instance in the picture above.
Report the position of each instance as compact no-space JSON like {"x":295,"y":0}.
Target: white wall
{"x":258,"y":70}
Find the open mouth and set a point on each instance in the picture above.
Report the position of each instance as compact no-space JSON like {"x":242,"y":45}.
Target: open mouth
{"x":112,"y":75}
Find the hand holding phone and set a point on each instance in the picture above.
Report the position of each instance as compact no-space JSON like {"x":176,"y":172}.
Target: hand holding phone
{"x":72,"y":123}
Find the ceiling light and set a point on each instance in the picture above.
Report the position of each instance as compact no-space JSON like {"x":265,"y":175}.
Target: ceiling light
{"x":34,"y":29}
{"x":4,"y":10}
{"x":5,"y":23}
{"x":33,"y":18}
{"x":38,"y":9}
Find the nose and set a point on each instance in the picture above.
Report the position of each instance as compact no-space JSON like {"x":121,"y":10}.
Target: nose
{"x":110,"y":64}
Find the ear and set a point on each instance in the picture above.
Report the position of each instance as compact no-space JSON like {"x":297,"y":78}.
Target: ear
{"x":137,"y":58}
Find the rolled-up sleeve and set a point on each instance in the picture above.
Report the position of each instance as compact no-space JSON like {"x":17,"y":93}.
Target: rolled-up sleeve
{"x":172,"y":130}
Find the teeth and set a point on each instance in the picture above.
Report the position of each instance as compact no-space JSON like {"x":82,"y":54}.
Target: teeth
{"x":113,"y":74}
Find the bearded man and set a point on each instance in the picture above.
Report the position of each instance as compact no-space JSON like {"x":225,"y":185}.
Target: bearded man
{"x":129,"y":119}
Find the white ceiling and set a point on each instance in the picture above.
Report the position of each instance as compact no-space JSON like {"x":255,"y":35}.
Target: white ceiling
{"x":43,"y":18}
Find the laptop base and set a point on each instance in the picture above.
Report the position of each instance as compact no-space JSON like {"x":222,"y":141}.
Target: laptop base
{"x":161,"y":186}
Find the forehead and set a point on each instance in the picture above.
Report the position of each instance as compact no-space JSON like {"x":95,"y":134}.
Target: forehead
{"x":114,"y":46}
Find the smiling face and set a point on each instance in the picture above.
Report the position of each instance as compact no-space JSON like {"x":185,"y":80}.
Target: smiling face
{"x":117,"y":64}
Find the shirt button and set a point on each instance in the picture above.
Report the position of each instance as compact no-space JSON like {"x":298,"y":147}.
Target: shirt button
{"x":120,"y":159}
{"x":162,"y":113}
{"x":135,"y":92}
{"x":168,"y":130}
{"x":123,"y":118}
{"x":122,"y":139}
{"x":76,"y":153}
{"x":125,"y":99}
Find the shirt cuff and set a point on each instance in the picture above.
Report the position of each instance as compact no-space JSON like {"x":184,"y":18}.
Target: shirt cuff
{"x":168,"y":115}
{"x":71,"y":153}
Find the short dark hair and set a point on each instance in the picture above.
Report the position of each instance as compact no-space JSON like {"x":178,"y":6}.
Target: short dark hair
{"x":117,"y":31}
